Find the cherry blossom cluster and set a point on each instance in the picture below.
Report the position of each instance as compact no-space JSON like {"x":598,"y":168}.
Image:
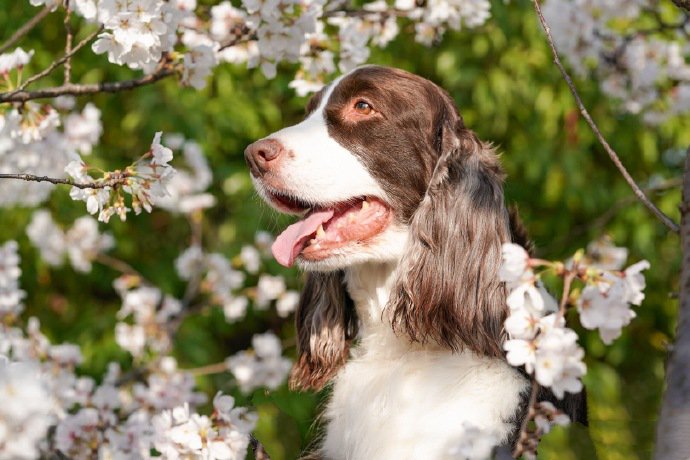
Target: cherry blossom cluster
{"x":150,"y":311}
{"x":263,"y":366}
{"x":474,"y":443}
{"x":147,"y":414}
{"x":81,"y":243}
{"x":145,"y":181}
{"x":640,"y":57}
{"x":137,"y":32}
{"x":17,"y":59}
{"x":29,"y":132}
{"x":223,"y":436}
{"x":155,"y":34}
{"x":538,"y":338}
{"x":27,"y":409}
{"x":225,"y":281}
{"x":10,"y":293}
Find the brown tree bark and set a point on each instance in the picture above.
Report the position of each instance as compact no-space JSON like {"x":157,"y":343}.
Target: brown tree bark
{"x":673,"y":428}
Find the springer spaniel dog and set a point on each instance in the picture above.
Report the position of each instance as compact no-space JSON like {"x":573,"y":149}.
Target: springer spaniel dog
{"x":402,"y":218}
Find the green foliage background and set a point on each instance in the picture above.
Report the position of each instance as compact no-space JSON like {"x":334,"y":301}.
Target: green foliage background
{"x":508,"y":91}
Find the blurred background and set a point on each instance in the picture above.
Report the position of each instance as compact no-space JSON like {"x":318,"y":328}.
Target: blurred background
{"x":508,"y":91}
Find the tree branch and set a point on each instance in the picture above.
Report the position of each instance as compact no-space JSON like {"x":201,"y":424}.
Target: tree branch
{"x":585,"y":114}
{"x":68,"y":41}
{"x":25,"y":29}
{"x":119,"y":265}
{"x":55,"y":64}
{"x":673,"y":429}
{"x":209,"y":369}
{"x":81,"y":89}
{"x":52,"y":180}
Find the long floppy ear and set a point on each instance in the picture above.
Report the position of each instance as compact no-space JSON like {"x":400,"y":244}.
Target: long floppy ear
{"x":448,"y":289}
{"x":326,"y":324}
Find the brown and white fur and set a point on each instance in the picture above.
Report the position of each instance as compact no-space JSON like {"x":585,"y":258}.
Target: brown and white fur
{"x":406,"y":316}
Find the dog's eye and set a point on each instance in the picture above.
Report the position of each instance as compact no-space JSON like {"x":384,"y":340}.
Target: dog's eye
{"x":363,"y":107}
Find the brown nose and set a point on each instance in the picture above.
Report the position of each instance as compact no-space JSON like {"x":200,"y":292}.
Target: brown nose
{"x":260,"y":154}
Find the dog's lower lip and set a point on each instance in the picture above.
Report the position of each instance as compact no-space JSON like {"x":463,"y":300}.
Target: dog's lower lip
{"x":353,"y":223}
{"x":287,"y":203}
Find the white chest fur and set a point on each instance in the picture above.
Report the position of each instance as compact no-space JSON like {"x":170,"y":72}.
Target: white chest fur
{"x":397,"y":401}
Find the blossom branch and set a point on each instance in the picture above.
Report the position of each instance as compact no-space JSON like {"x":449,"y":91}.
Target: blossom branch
{"x":25,"y":29}
{"x":567,"y":282}
{"x":604,"y":218}
{"x":81,"y":89}
{"x":666,"y":220}
{"x":215,"y":368}
{"x":64,"y":59}
{"x":53,"y":180}
{"x":118,"y":265}
{"x":68,"y":41}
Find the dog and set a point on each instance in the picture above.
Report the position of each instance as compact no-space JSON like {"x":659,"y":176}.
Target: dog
{"x":402,"y":218}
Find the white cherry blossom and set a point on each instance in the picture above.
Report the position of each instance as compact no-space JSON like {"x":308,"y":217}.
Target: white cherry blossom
{"x":515,"y":262}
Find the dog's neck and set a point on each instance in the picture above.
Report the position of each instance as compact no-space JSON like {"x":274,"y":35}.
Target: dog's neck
{"x":369,"y":286}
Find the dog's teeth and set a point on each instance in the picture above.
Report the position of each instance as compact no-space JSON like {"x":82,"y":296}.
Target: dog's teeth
{"x":320,"y":232}
{"x":312,"y":241}
{"x":365,"y":204}
{"x":350,"y":219}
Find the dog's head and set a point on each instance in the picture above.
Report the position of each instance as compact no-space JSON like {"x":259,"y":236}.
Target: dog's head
{"x":383,"y":169}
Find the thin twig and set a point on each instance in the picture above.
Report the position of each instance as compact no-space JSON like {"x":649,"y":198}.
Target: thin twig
{"x":567,"y":282}
{"x":209,"y":369}
{"x":64,"y":59}
{"x":585,"y":114}
{"x":119,"y":265}
{"x":133,"y":375}
{"x":604,"y":218}
{"x":53,"y":180}
{"x":81,"y":89}
{"x":25,"y":29}
{"x":68,"y":41}
{"x":519,"y":449}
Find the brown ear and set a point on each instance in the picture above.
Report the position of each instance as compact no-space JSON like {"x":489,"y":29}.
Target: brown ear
{"x":326,"y":324}
{"x":448,"y":290}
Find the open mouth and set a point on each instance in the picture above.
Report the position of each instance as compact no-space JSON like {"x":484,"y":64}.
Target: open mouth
{"x":288,"y":203}
{"x":326,"y":228}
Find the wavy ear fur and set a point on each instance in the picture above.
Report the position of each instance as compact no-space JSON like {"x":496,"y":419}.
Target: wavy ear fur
{"x":326,"y":324}
{"x":448,"y":290}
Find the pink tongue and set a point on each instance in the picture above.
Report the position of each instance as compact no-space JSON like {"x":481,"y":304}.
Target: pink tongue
{"x":293,"y":239}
